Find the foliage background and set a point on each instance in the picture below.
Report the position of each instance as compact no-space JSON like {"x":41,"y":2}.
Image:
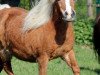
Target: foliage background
{"x":84,"y":25}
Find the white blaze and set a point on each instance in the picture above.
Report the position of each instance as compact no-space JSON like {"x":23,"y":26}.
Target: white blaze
{"x":68,"y":6}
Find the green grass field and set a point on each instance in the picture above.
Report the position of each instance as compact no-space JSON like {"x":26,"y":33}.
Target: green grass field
{"x":85,"y":57}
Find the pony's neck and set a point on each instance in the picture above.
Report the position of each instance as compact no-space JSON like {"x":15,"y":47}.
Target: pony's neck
{"x":60,"y":26}
{"x":56,"y":13}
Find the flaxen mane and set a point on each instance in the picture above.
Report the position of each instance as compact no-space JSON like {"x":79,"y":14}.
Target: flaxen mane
{"x":39,"y":15}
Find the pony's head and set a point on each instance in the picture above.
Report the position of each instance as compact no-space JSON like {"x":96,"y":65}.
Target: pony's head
{"x":66,"y":9}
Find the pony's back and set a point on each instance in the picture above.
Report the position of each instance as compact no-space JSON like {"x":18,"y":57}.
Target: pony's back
{"x":96,"y":37}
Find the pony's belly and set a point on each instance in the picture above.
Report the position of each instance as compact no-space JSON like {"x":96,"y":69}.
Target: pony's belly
{"x":22,"y":55}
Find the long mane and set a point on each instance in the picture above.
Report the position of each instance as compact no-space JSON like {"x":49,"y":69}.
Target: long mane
{"x":39,"y":15}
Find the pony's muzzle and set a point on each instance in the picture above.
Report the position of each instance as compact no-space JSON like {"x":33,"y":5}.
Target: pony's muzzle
{"x":69,"y":17}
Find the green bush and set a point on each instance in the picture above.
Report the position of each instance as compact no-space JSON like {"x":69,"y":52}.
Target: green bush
{"x":83,"y":31}
{"x":25,"y":4}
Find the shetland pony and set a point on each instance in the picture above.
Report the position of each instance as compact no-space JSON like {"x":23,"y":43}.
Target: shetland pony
{"x":96,"y":37}
{"x":40,"y":35}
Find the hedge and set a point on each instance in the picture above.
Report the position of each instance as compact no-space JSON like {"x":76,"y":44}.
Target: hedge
{"x":83,"y":31}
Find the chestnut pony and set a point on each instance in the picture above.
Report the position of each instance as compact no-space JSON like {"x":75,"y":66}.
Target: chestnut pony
{"x":96,"y":37}
{"x":40,"y":35}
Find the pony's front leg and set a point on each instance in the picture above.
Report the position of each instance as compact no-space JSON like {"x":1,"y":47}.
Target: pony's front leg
{"x":43,"y":62}
{"x":71,"y":61}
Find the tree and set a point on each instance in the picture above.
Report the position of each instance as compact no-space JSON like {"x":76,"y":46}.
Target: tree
{"x":90,"y":8}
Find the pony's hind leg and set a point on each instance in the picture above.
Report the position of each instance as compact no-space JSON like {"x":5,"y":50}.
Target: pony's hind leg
{"x":1,"y":65}
{"x":5,"y":61}
{"x":71,"y":61}
{"x":1,"y":61}
{"x":7,"y":67}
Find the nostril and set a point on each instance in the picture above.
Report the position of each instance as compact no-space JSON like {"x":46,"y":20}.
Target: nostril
{"x":73,"y":13}
{"x":66,"y":13}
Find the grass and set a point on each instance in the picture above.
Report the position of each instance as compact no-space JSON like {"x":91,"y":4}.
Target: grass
{"x":85,"y":57}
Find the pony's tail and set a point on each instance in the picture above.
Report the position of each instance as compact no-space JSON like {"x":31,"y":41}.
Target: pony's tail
{"x":96,"y":39}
